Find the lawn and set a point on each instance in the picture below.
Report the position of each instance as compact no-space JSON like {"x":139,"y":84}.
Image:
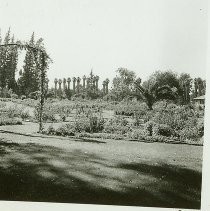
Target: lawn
{"x":98,"y":171}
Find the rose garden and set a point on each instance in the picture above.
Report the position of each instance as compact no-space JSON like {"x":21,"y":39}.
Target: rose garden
{"x":85,"y":140}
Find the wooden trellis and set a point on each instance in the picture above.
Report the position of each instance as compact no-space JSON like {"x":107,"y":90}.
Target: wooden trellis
{"x":41,"y":54}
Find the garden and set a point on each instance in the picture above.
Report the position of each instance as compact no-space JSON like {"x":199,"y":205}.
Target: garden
{"x":167,"y":122}
{"x":136,"y":143}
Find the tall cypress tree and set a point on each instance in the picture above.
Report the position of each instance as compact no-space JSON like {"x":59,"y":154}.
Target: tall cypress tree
{"x":0,"y":59}
{"x":26,"y":81}
{"x":4,"y":62}
{"x":11,"y":67}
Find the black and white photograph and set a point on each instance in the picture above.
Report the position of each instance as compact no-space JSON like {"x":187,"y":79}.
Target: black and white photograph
{"x":102,"y":102}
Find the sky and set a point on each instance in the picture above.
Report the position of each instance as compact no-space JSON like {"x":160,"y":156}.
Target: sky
{"x":103,"y":35}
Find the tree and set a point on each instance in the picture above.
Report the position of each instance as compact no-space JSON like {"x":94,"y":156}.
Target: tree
{"x":5,"y":61}
{"x":26,"y":80}
{"x":1,"y":61}
{"x":123,"y":84}
{"x":160,"y":85}
{"x":29,"y":79}
{"x":185,"y":82}
{"x":12,"y":67}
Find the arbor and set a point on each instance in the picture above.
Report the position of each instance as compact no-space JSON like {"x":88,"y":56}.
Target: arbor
{"x":42,"y":60}
{"x":29,"y":77}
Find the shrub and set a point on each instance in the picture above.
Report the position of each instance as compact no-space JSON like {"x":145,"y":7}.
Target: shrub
{"x":162,"y":129}
{"x":34,"y":95}
{"x":89,"y":124}
{"x":116,"y":126}
{"x":131,"y":109}
{"x":24,"y":114}
{"x":47,"y":114}
{"x":176,"y":118}
{"x":14,"y":96}
{"x":13,"y":111}
{"x":82,"y":124}
{"x":136,"y":134}
{"x":5,"y":92}
{"x":148,"y":128}
{"x":100,"y":135}
{"x":10,"y":121}
{"x":189,"y":133}
{"x":63,"y":130}
{"x":200,"y":128}
{"x":23,"y":97}
{"x":2,"y":105}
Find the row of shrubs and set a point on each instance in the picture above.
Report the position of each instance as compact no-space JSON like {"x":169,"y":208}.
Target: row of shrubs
{"x":153,"y":130}
{"x":54,"y":111}
{"x":13,"y":114}
{"x":14,"y":111}
{"x":164,"y":123}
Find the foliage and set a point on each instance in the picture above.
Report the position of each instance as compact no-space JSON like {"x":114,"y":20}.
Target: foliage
{"x":185,"y":83}
{"x":6,"y":92}
{"x":116,"y":126}
{"x":64,"y":130}
{"x":131,"y":109}
{"x":10,"y":121}
{"x":160,"y":85}
{"x":123,"y":84}
{"x":29,"y":79}
{"x":8,"y":63}
{"x":47,"y":115}
{"x":89,"y":118}
{"x":15,"y":111}
{"x":162,"y":130}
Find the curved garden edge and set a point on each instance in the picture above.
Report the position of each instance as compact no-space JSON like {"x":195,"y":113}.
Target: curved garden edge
{"x":92,"y":137}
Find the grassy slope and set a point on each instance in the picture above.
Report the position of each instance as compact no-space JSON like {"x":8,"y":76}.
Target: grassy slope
{"x":99,"y":172}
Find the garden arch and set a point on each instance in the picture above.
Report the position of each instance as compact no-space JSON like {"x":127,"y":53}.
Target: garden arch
{"x":39,"y":55}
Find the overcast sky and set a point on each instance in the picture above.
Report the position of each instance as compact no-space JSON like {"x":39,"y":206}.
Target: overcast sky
{"x":141,"y":35}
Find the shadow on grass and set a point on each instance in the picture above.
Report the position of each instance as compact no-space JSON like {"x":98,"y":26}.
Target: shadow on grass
{"x":33,"y":172}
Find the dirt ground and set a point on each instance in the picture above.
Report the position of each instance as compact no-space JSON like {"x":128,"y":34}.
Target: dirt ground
{"x":97,"y":171}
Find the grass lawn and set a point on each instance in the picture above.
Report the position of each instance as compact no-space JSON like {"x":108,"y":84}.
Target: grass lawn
{"x":99,"y":171}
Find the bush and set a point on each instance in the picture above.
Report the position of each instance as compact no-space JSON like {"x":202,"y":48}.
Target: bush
{"x":10,"y":121}
{"x":14,"y":96}
{"x":23,"y":97}
{"x":47,"y":113}
{"x":176,"y":118}
{"x":131,"y":109}
{"x":63,"y":130}
{"x":189,"y":133}
{"x":162,"y":129}
{"x":25,"y":114}
{"x":5,"y":92}
{"x":148,"y":128}
{"x":2,"y":105}
{"x":136,"y":134}
{"x":89,"y":124}
{"x":116,"y":126}
{"x":34,"y":95}
{"x":200,"y":128}
{"x":100,"y":135}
